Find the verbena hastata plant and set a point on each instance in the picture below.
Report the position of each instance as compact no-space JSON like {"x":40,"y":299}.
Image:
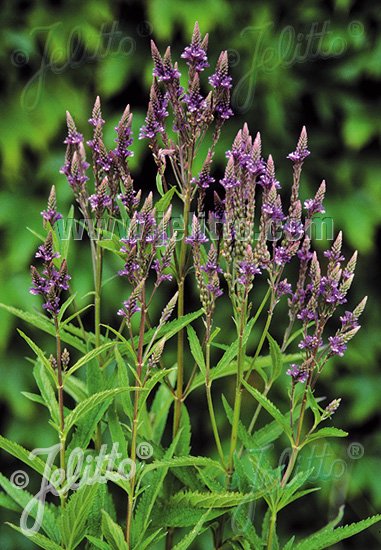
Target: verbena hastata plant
{"x":111,"y":407}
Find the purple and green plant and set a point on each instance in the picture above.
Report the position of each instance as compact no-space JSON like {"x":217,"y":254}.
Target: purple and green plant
{"x":119,"y":392}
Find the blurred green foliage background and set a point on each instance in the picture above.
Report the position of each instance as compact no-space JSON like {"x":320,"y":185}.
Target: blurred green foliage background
{"x":313,"y":63}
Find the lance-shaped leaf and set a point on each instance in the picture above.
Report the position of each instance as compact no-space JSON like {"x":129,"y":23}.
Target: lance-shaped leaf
{"x":196,"y":349}
{"x":270,"y":408}
{"x":91,"y":402}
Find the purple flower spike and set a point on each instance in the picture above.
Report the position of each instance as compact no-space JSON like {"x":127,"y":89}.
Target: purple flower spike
{"x":281,"y":256}
{"x":337,"y":345}
{"x":301,"y":151}
{"x":195,"y":53}
{"x":310,"y":343}
{"x":297,"y":374}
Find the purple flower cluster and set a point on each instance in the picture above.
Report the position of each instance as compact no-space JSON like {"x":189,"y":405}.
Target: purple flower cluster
{"x":53,"y":280}
{"x":247,"y":271}
{"x":156,"y":114}
{"x":297,"y":374}
{"x":301,"y":152}
{"x":195,"y":54}
{"x":197,"y":237}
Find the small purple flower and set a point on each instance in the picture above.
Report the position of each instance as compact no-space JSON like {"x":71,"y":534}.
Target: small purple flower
{"x":310,"y":343}
{"x":306,"y":315}
{"x":159,"y":268}
{"x":247,"y":272}
{"x":281,"y":256}
{"x":223,"y":110}
{"x":130,"y":269}
{"x":268,"y":179}
{"x":195,"y":102}
{"x":130,"y":307}
{"x":124,"y":141}
{"x":304,"y":255}
{"x":274,"y":212}
{"x":230,"y":182}
{"x":73,"y":138}
{"x":219,"y":80}
{"x":51,"y":216}
{"x":99,"y":202}
{"x":298,"y":156}
{"x":329,"y":290}
{"x":52,"y":305}
{"x":203,"y":181}
{"x":297,"y":374}
{"x":195,"y":57}
{"x":196,"y":239}
{"x":313,"y":206}
{"x":334,"y":256}
{"x":211,"y":268}
{"x":282,"y":288}
{"x":293,"y":229}
{"x":46,"y":253}
{"x":301,"y":151}
{"x":337,"y":345}
{"x":214,"y":288}
{"x":349,"y":321}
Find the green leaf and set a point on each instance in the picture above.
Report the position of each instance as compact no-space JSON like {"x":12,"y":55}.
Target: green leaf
{"x":123,"y":381}
{"x":231,"y":353}
{"x":38,"y":539}
{"x":91,"y":402}
{"x":325,"y":432}
{"x":47,"y":392}
{"x":227,"y":499}
{"x":113,"y":533}
{"x":159,"y":412}
{"x":276,"y":358}
{"x":116,"y":431}
{"x":159,"y":184}
{"x":290,"y":544}
{"x":163,"y":203}
{"x":42,"y":323}
{"x":22,"y":454}
{"x":68,"y":230}
{"x":22,"y":498}
{"x":173,"y":327}
{"x":244,"y":523}
{"x":190,"y":537}
{"x":270,"y":408}
{"x":36,"y":398}
{"x":182,"y":461}
{"x":289,"y":491}
{"x":98,"y":543}
{"x":229,"y":366}
{"x":325,"y":539}
{"x":186,"y":516}
{"x":148,"y":498}
{"x":89,"y":357}
{"x":73,"y":519}
{"x":39,"y":353}
{"x":313,"y":405}
{"x":196,"y":349}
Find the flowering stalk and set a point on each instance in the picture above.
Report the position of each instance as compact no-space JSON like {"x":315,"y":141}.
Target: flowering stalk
{"x":135,"y":420}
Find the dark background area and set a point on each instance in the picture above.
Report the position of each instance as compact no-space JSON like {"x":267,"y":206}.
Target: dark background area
{"x":316,"y":63}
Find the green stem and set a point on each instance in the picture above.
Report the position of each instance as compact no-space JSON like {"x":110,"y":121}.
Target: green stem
{"x":134,"y":431}
{"x":238,"y":390}
{"x":270,"y":538}
{"x":296,"y":447}
{"x":180,"y":313}
{"x":260,"y":344}
{"x":211,"y":407}
{"x":98,"y":291}
{"x":60,"y":399}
